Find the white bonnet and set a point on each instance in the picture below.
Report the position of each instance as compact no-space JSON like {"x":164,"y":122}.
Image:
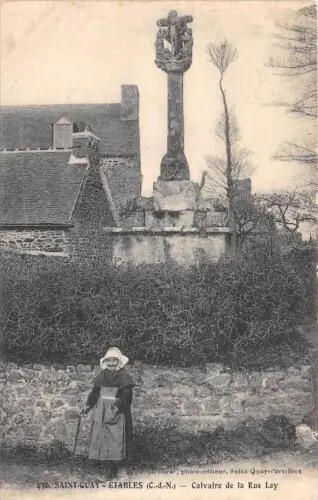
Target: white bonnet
{"x":114,"y":352}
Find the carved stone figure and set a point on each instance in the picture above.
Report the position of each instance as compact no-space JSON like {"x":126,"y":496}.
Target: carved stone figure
{"x":160,"y":44}
{"x":174,"y":30}
{"x":187,"y":42}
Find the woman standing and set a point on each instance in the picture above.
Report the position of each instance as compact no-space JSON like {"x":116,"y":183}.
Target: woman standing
{"x":112,"y":424}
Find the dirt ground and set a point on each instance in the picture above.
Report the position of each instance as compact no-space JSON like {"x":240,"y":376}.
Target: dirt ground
{"x":294,"y":474}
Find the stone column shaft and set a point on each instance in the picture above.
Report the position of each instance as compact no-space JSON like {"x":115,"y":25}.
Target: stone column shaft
{"x":175,"y":138}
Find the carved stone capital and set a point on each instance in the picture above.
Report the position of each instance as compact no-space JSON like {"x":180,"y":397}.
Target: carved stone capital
{"x":174,"y":43}
{"x":174,"y":66}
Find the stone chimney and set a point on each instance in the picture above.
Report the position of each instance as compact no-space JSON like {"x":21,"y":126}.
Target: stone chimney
{"x":63,"y":133}
{"x":129,"y":102}
{"x":83,"y":142}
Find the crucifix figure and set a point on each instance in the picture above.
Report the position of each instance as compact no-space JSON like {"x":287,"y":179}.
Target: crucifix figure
{"x":174,"y":60}
{"x":175,"y":28}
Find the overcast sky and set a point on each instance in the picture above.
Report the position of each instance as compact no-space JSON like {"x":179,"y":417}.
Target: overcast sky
{"x":64,"y":52}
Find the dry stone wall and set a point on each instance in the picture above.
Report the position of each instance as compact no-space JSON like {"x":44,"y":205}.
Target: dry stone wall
{"x":36,"y":241}
{"x":41,"y":403}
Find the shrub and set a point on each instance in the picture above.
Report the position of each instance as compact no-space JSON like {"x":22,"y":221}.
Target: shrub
{"x":238,"y":311}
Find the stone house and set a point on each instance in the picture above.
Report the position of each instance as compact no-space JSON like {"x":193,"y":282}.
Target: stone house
{"x":66,"y":171}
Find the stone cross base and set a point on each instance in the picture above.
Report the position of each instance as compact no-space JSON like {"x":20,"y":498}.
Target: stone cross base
{"x":171,"y":229}
{"x":174,"y":196}
{"x":157,"y":245}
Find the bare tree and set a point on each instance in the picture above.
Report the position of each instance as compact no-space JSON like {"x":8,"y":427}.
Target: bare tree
{"x":251,"y":219}
{"x":216,"y":172}
{"x":298,"y":42}
{"x":222,"y":55}
{"x":295,"y":152}
{"x":289,"y":209}
{"x":223,"y":173}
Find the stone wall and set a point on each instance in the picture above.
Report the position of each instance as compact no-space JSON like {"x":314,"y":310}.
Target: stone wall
{"x":183,"y":246}
{"x":41,"y":403}
{"x":54,"y":241}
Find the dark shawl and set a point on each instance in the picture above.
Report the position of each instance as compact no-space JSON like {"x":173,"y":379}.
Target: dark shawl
{"x":120,"y":379}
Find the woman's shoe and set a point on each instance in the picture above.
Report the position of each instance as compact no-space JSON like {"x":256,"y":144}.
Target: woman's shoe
{"x":122,"y":474}
{"x":113,"y":470}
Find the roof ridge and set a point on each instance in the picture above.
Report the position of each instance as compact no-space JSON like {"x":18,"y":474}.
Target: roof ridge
{"x":107,"y":104}
{"x":35,"y":150}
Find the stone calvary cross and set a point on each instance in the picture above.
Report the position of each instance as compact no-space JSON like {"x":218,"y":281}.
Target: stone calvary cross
{"x":176,"y":227}
{"x":174,"y":56}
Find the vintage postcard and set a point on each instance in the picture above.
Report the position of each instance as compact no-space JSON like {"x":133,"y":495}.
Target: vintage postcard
{"x":158,"y":250}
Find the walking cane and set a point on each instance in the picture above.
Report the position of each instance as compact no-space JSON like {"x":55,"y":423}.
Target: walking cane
{"x":75,"y":444}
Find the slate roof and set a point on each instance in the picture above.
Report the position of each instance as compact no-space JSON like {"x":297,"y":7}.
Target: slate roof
{"x":123,"y":178}
{"x":32,"y":126}
{"x":38,"y":187}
